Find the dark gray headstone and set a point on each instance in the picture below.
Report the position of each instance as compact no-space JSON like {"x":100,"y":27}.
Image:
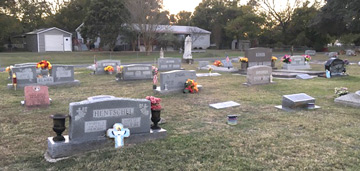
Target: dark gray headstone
{"x":167,"y":64}
{"x":175,"y":80}
{"x":335,"y":66}
{"x":90,"y":119}
{"x":104,"y":63}
{"x":63,"y":73}
{"x":310,"y":52}
{"x":259,"y":56}
{"x":297,"y":101}
{"x":137,"y":72}
{"x":258,"y":75}
{"x":25,"y":75}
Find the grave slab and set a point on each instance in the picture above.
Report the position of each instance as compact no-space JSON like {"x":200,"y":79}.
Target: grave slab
{"x":304,"y":76}
{"x":60,"y":150}
{"x":297,"y":102}
{"x":351,"y":99}
{"x":208,"y":74}
{"x":223,"y":105}
{"x":224,"y":69}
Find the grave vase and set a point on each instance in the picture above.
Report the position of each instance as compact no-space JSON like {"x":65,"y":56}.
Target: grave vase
{"x":273,"y":64}
{"x":59,"y":126}
{"x":244,"y":65}
{"x":155,"y":118}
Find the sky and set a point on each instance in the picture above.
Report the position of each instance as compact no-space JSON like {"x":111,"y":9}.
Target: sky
{"x":175,"y":6}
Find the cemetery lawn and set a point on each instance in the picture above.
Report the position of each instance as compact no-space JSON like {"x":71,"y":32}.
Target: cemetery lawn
{"x":199,"y":138}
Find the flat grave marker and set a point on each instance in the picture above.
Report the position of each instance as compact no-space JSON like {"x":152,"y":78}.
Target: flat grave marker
{"x":223,"y":105}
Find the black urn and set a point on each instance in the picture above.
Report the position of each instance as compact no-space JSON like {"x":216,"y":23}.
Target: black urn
{"x":59,"y":126}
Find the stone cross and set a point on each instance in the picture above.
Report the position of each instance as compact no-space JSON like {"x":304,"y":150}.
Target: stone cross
{"x":118,"y":132}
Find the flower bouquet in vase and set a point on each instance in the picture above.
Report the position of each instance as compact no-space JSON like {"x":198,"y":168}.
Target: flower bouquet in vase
{"x":191,"y":86}
{"x":286,"y":59}
{"x":273,"y":60}
{"x":155,"y":111}
{"x":307,"y":58}
{"x":45,"y":66}
{"x":155,"y":77}
{"x":244,"y":63}
{"x":218,"y":63}
{"x":109,"y":69}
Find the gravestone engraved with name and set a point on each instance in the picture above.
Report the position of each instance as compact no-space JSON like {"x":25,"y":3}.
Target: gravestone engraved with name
{"x":310,"y":52}
{"x":62,"y":73}
{"x":45,"y":80}
{"x":258,"y":75}
{"x":137,"y":72}
{"x":36,"y":96}
{"x":104,"y":63}
{"x":91,"y":118}
{"x":336,"y":67}
{"x":166,"y":64}
{"x":25,"y":75}
{"x":297,"y":101}
{"x":297,"y":63}
{"x":259,"y":56}
{"x":175,"y":80}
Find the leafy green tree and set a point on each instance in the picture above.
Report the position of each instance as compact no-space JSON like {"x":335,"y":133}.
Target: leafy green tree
{"x":213,"y":15}
{"x":33,"y":13}
{"x":71,"y":16}
{"x":105,"y":20}
{"x":246,"y":26}
{"x":339,"y":17}
{"x":183,"y":18}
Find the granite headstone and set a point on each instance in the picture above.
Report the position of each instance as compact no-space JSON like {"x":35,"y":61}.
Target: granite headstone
{"x":25,"y":75}
{"x":167,"y":64}
{"x":333,"y":55}
{"x":91,"y":118}
{"x":175,"y":80}
{"x":258,"y":75}
{"x":297,"y":63}
{"x":297,"y":101}
{"x":100,"y":65}
{"x":351,"y":99}
{"x":310,"y":52}
{"x":36,"y":96}
{"x":303,"y":76}
{"x":63,"y":73}
{"x":259,"y":56}
{"x":137,"y":72}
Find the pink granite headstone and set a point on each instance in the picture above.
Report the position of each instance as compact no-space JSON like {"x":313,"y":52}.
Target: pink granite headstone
{"x":36,"y":96}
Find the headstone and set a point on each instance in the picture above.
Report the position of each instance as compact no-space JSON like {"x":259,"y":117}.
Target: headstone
{"x":297,"y":101}
{"x":333,"y":55}
{"x":137,"y":72}
{"x":351,"y":99}
{"x":25,"y":75}
{"x":258,"y":75}
{"x":25,"y":64}
{"x":259,"y":56}
{"x":336,"y":67}
{"x":310,"y":52}
{"x":203,"y":64}
{"x":36,"y":96}
{"x":91,"y":118}
{"x":45,"y":80}
{"x":350,"y":53}
{"x":175,"y":80}
{"x":223,"y":105}
{"x":167,"y":64}
{"x":100,"y":65}
{"x":297,"y":63}
{"x":227,"y":64}
{"x":303,"y":76}
{"x":63,"y":73}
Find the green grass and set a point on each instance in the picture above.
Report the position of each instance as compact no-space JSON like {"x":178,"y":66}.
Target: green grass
{"x":198,"y":136}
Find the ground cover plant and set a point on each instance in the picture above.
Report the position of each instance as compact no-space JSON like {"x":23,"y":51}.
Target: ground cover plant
{"x":265,"y":138}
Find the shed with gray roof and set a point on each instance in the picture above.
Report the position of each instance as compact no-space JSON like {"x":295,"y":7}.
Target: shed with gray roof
{"x":49,"y":40}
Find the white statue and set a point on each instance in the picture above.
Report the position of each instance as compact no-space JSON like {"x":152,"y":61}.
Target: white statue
{"x":187,"y":46}
{"x":161,"y":53}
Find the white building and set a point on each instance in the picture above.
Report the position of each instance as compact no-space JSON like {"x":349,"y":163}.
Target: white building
{"x":200,"y":37}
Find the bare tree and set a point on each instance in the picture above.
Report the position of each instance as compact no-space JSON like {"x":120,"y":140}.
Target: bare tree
{"x":146,"y":19}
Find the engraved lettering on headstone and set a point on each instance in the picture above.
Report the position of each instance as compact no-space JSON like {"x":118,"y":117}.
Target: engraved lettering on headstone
{"x":260,"y":54}
{"x":106,"y":113}
{"x":61,"y":72}
{"x":95,"y":126}
{"x":131,"y":122}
